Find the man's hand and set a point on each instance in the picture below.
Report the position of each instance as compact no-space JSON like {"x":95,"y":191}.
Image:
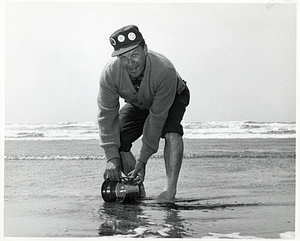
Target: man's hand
{"x":113,"y":170}
{"x":139,"y":171}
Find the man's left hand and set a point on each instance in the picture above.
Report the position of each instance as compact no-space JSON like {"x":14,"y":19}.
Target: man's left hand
{"x":139,"y":171}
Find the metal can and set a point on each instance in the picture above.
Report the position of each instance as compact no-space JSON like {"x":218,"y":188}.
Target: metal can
{"x":123,"y":191}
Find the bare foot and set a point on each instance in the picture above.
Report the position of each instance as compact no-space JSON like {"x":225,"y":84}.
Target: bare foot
{"x":165,"y":197}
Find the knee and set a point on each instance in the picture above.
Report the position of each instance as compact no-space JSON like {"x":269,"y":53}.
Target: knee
{"x":173,"y":137}
{"x":174,"y":143}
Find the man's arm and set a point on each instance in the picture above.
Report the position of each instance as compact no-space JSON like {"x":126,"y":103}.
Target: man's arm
{"x":108,"y":122}
{"x":163,"y":100}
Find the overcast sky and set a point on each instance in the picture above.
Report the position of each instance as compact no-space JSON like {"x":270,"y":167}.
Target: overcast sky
{"x":239,"y":59}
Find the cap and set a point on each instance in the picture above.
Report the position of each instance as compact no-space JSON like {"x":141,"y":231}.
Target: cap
{"x":125,"y":39}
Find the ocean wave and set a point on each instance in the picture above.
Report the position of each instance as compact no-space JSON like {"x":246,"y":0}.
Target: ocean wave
{"x":55,"y":157}
{"x":192,"y":130}
{"x":27,"y":135}
{"x":159,"y":156}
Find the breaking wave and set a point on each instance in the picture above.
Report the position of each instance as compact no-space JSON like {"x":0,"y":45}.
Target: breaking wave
{"x":186,"y":156}
{"x":192,"y":130}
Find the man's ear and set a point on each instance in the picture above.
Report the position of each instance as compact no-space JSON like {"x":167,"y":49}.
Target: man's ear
{"x":145,"y":49}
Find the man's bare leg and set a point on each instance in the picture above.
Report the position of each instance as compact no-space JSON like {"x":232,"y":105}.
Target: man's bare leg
{"x":173,"y":154}
{"x":128,"y":164}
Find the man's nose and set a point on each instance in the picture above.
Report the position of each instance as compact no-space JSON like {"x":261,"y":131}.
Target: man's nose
{"x":130,"y":61}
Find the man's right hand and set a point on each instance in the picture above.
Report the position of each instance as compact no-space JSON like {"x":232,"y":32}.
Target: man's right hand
{"x":113,"y":170}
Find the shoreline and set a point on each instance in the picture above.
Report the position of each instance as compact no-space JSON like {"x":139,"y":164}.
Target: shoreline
{"x":216,"y":197}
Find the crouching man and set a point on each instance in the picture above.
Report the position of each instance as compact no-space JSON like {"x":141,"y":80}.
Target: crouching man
{"x":156,"y":99}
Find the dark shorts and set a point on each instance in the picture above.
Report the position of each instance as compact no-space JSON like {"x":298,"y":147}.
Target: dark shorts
{"x":132,"y":120}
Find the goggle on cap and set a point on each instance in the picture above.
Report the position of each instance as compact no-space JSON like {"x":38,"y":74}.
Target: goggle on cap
{"x":125,"y":39}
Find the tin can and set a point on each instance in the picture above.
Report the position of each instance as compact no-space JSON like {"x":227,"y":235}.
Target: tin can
{"x":123,"y":191}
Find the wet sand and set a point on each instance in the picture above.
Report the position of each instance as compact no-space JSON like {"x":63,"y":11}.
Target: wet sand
{"x":217,"y":197}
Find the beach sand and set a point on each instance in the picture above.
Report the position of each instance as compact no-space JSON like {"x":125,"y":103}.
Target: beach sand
{"x":219,"y":196}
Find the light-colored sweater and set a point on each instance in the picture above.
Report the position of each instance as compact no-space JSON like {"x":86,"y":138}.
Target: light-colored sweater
{"x":157,"y":91}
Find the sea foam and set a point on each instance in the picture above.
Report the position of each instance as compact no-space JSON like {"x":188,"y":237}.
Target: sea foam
{"x":192,"y":130}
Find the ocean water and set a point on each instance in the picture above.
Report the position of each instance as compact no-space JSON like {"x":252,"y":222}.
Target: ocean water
{"x":241,"y":187}
{"x":196,"y":130}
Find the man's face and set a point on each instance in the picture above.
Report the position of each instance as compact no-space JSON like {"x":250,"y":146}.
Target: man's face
{"x":134,"y":61}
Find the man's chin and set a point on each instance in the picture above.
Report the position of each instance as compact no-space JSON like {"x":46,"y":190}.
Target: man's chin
{"x":135,"y":74}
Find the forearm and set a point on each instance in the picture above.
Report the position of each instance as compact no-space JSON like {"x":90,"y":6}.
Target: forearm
{"x":151,"y":136}
{"x":109,"y":132}
{"x":108,"y":119}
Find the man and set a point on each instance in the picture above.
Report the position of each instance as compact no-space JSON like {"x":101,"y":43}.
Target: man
{"x":156,"y":98}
